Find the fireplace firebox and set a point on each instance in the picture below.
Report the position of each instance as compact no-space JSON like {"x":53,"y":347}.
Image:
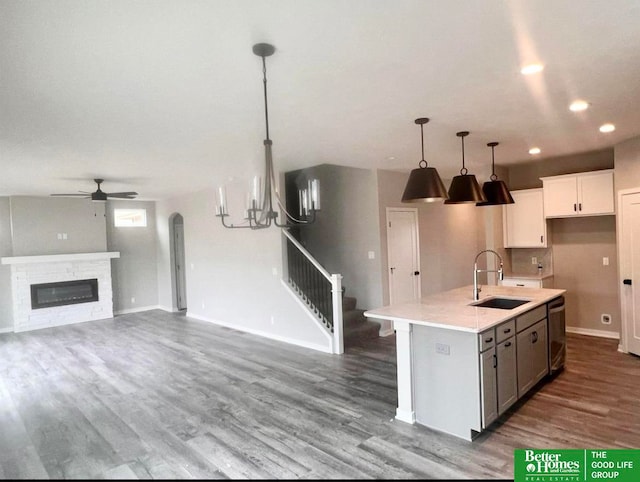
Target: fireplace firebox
{"x":44,"y":295}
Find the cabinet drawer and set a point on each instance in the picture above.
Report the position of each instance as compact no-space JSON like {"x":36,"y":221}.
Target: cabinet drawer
{"x":527,"y":319}
{"x":505,"y":330}
{"x":487,"y":339}
{"x":526,"y":283}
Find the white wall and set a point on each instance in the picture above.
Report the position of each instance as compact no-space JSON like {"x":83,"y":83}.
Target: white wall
{"x":6,"y":249}
{"x":346,"y":230}
{"x":450,"y":236}
{"x":37,"y":221}
{"x":232,"y":276}
{"x":134,"y":274}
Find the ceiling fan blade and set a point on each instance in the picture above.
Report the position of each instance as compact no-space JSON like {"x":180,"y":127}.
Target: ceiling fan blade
{"x":127,"y":195}
{"x":74,"y":195}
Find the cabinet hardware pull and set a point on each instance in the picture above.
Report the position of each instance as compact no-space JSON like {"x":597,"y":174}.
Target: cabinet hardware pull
{"x":495,"y":361}
{"x":541,"y":239}
{"x":575,"y":208}
{"x":507,"y":344}
{"x":534,"y":337}
{"x":416,"y":273}
{"x":519,"y":284}
{"x":489,"y":340}
{"x":627,"y":281}
{"x":508,"y":330}
{"x":579,"y":206}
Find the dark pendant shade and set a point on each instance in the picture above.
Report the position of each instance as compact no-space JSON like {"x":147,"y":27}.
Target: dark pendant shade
{"x":496,"y":193}
{"x":494,"y":190}
{"x":424,"y":185}
{"x":465,"y":189}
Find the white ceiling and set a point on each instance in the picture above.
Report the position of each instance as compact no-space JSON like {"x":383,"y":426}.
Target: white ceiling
{"x":165,"y":97}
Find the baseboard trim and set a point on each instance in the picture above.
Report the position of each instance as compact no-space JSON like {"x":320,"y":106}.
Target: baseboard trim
{"x":138,"y":310}
{"x":587,"y":331}
{"x":6,"y":330}
{"x":271,"y":336}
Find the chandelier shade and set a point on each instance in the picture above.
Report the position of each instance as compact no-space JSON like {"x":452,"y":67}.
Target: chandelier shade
{"x":424,"y":184}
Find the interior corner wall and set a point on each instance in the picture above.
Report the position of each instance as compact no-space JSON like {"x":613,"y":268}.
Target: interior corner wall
{"x":577,"y":245}
{"x":134,"y":274}
{"x":346,"y":230}
{"x":233,"y":276}
{"x":450,"y":237}
{"x":36,"y":223}
{"x":6,"y":249}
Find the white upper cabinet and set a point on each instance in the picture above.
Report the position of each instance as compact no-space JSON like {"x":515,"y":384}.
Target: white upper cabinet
{"x":581,"y":194}
{"x":524,"y":225}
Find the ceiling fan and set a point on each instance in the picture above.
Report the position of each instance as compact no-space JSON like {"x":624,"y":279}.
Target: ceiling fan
{"x":100,"y":195}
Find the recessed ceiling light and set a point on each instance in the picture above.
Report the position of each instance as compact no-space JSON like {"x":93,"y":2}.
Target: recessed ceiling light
{"x":531,"y":69}
{"x":579,"y":105}
{"x":607,"y":128}
{"x":534,"y":150}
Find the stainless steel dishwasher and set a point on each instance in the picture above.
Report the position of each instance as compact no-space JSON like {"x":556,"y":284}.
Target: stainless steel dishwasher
{"x":557,"y":337}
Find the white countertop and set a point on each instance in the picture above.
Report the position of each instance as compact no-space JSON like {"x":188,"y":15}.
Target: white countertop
{"x":452,"y":309}
{"x":529,"y":276}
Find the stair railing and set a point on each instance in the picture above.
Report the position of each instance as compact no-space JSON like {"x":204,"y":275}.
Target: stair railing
{"x":316,"y":287}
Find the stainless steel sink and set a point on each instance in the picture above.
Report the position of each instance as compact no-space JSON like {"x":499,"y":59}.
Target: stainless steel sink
{"x":501,"y":303}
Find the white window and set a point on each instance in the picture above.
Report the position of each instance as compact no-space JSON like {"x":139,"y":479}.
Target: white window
{"x":130,"y":217}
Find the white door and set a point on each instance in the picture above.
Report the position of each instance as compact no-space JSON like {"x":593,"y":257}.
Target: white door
{"x":403,"y":254}
{"x":629,"y":203}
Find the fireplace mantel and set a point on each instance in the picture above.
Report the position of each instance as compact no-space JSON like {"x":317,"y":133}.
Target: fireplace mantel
{"x":53,"y":258}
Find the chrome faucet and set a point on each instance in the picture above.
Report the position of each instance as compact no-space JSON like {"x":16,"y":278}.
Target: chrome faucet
{"x":476,"y":286}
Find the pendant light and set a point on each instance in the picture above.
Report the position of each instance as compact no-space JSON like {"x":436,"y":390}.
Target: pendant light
{"x":464,"y":188}
{"x":494,"y":190}
{"x":424,"y":184}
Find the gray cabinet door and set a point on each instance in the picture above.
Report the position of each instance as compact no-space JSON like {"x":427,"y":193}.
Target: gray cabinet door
{"x":506,"y":374}
{"x":532,"y":356}
{"x":489,"y":387}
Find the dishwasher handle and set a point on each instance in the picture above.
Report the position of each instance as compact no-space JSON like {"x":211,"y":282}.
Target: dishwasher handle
{"x":556,"y":309}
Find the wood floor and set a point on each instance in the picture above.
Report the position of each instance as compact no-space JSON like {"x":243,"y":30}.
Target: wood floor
{"x":155,"y":395}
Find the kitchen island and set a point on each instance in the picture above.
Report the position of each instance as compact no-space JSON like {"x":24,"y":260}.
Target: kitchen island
{"x":459,"y":366}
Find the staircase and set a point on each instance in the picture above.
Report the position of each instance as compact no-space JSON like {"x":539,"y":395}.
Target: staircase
{"x":358,"y":329}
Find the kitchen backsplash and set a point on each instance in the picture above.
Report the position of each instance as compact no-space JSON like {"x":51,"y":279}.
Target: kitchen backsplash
{"x":521,"y":261}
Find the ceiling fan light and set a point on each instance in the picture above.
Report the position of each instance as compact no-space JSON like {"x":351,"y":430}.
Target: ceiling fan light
{"x":424,"y":185}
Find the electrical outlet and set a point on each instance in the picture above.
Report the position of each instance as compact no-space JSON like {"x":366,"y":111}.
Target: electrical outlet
{"x":605,"y":318}
{"x":605,"y":261}
{"x":372,"y":255}
{"x":442,"y":349}
{"x":534,"y":260}
{"x":133,"y":300}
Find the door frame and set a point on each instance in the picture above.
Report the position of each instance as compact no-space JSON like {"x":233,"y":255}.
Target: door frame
{"x":622,"y":266}
{"x":414,"y":211}
{"x":178,"y":280}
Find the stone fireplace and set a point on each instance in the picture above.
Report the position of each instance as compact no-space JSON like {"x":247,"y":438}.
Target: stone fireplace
{"x":53,"y":290}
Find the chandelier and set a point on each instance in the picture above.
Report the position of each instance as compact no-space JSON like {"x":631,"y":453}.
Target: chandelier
{"x":260,"y":211}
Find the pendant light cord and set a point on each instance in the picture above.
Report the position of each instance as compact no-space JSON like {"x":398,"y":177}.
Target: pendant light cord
{"x":463,"y":168}
{"x":266,"y":109}
{"x":493,"y":166}
{"x":422,"y":142}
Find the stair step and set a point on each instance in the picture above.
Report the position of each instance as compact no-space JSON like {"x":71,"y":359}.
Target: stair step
{"x":360,"y":332}
{"x":353,"y":317}
{"x":348,"y":303}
